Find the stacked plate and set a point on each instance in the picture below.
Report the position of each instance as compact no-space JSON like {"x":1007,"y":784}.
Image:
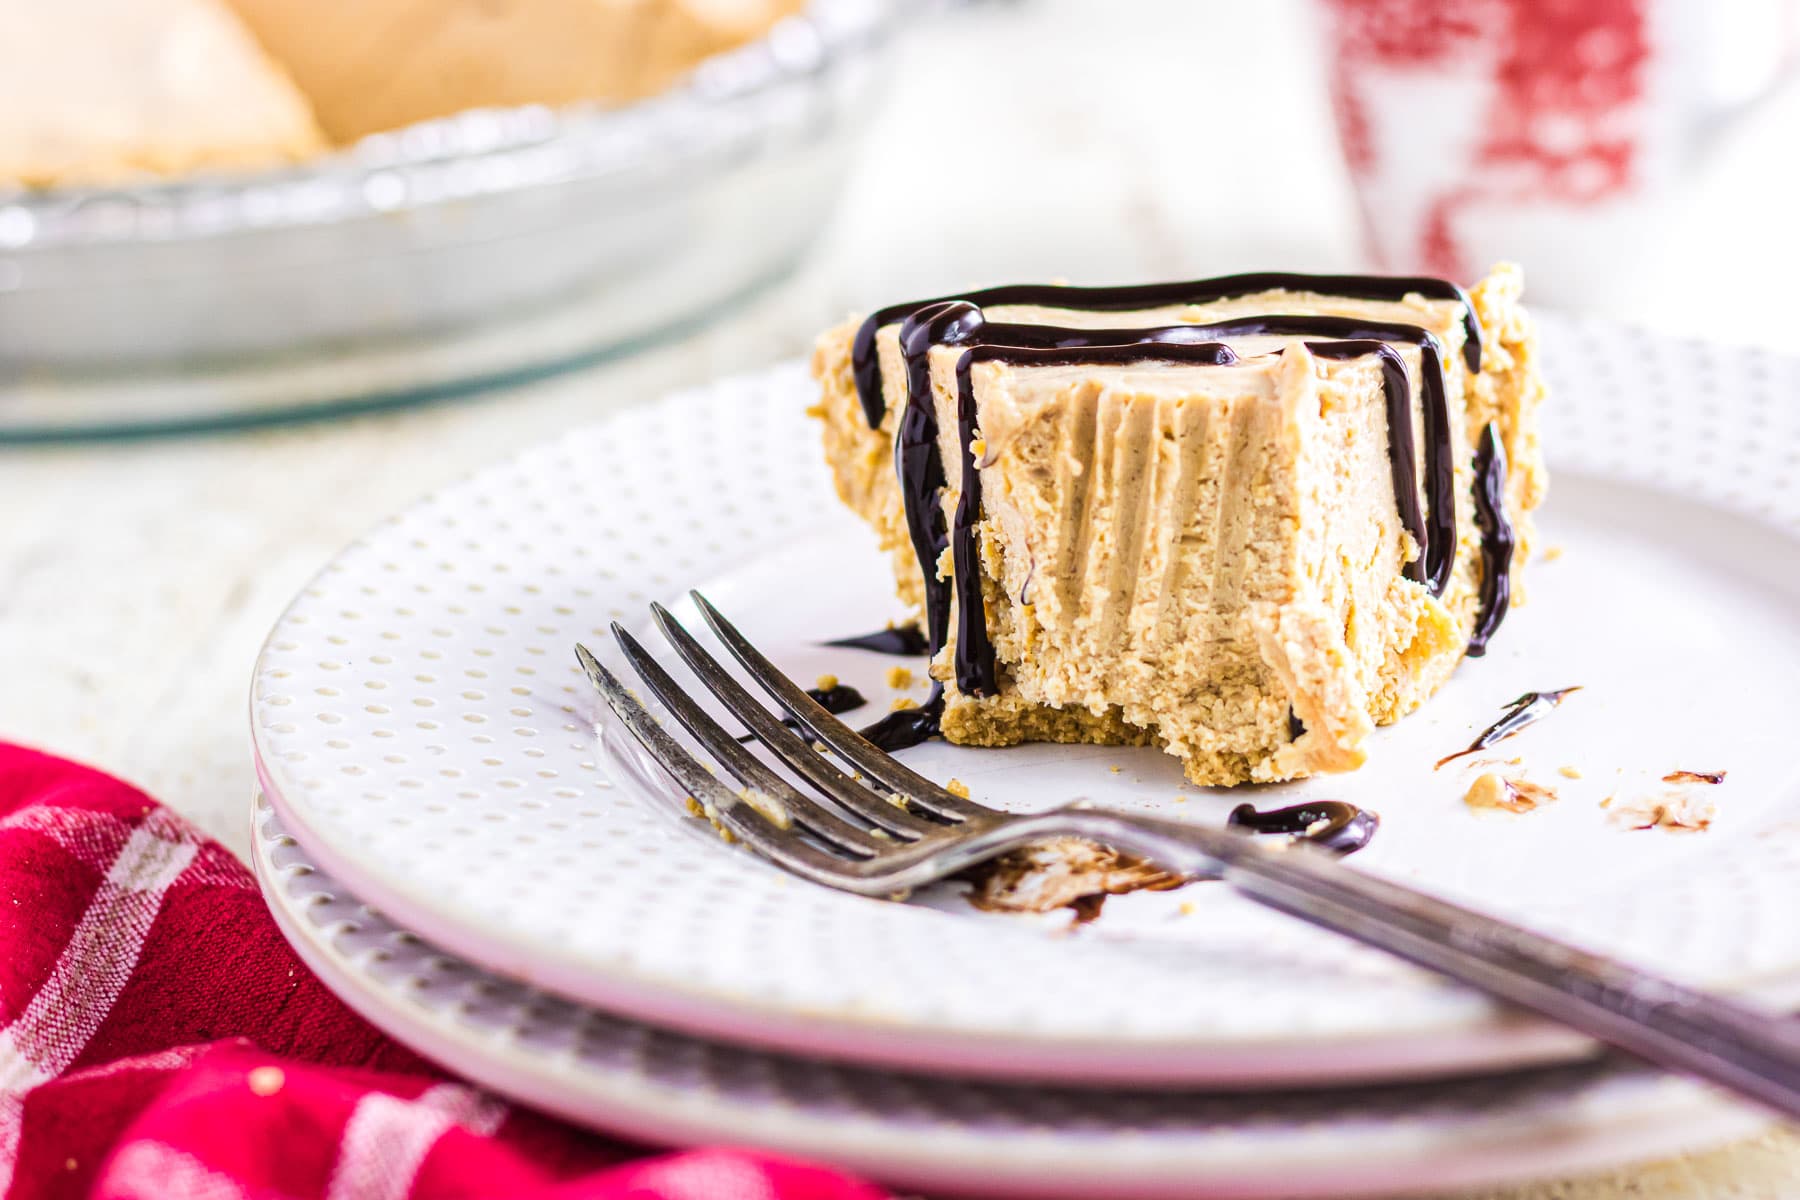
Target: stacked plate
{"x":456,"y":842}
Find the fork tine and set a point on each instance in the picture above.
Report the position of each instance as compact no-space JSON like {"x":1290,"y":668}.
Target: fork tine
{"x":735,"y":758}
{"x":732,"y":811}
{"x":849,"y":745}
{"x":786,"y":745}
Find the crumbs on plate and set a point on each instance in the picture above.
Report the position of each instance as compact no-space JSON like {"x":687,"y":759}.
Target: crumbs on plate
{"x":1509,"y":793}
{"x":1679,"y":811}
{"x":1694,"y":777}
{"x":1683,"y":808}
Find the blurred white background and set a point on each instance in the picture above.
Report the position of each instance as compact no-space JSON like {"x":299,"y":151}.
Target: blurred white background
{"x":1140,"y":139}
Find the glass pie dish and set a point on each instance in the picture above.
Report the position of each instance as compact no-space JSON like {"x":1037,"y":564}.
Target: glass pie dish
{"x":438,"y":259}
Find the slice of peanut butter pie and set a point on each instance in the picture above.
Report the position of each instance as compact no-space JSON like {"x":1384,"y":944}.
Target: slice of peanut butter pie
{"x":1246,"y":519}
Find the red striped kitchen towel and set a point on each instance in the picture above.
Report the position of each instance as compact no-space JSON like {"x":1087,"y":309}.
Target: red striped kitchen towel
{"x":158,"y":1038}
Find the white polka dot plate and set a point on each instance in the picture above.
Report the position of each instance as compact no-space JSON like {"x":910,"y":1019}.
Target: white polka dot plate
{"x":423,"y":730}
{"x":971,"y":1138}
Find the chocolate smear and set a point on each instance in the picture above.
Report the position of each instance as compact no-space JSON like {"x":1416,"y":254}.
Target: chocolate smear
{"x":1527,"y":710}
{"x":838,"y":698}
{"x":902,"y":640}
{"x":1694,"y":777}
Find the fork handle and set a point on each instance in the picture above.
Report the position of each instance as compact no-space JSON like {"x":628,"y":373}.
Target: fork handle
{"x":1753,"y":1053}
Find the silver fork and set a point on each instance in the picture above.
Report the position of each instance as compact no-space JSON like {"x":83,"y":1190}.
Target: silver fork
{"x":882,"y":830}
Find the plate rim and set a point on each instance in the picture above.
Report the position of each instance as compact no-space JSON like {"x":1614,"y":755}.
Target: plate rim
{"x":631,"y":1106}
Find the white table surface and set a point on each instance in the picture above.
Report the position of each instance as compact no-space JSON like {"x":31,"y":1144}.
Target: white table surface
{"x":137,"y":580}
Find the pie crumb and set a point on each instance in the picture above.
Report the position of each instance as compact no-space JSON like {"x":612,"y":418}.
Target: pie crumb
{"x":899,"y":677}
{"x":957,"y":787}
{"x":1679,"y":811}
{"x":771,"y":809}
{"x":1569,"y":772}
{"x":1494,"y":790}
{"x":1694,"y":777}
{"x":1552,"y":553}
{"x":826,"y":682}
{"x":902,"y":703}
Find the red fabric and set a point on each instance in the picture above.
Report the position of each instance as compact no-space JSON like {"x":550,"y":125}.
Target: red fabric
{"x":159,"y":1038}
{"x":1562,"y":123}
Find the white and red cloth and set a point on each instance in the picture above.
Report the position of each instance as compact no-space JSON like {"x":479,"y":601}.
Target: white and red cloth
{"x":158,"y":1038}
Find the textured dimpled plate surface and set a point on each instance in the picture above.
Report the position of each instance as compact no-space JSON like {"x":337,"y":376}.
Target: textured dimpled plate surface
{"x":424,"y":731}
{"x":947,"y":1136}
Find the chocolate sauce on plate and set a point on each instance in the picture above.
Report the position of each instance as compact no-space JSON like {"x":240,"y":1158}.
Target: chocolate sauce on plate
{"x":902,"y":640}
{"x":838,"y":698}
{"x":908,"y":726}
{"x":1528,"y":709}
{"x":1333,"y":824}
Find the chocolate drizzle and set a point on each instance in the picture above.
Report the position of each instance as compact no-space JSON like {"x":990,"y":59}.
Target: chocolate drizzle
{"x":916,"y":459}
{"x":1497,"y":539}
{"x":1437,"y":542}
{"x":960,"y":322}
{"x":865,"y":364}
{"x":1333,"y":824}
{"x":1526,"y":710}
{"x":905,"y":641}
{"x":975,"y":665}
